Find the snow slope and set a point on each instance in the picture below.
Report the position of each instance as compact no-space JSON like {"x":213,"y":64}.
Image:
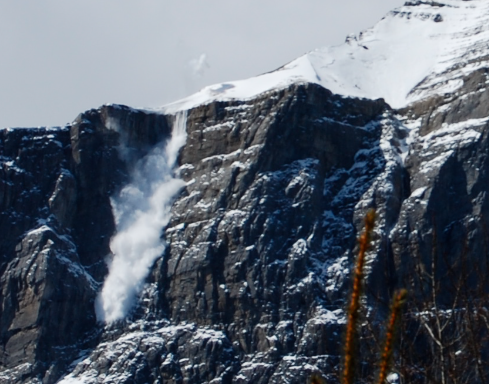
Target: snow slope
{"x":400,"y":59}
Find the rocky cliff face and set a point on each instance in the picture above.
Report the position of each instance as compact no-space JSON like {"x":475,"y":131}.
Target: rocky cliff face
{"x":240,"y":285}
{"x":252,"y":282}
{"x":57,"y":222}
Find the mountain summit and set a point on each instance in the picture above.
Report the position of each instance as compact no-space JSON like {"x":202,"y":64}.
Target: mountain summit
{"x":211,"y":241}
{"x":418,"y":50}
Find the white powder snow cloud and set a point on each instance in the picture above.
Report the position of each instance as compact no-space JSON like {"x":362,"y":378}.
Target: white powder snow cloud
{"x":195,"y":70}
{"x":199,"y":65}
{"x":141,"y":210}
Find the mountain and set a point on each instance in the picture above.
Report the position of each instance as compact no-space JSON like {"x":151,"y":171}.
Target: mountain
{"x":211,"y":241}
{"x":417,"y":51}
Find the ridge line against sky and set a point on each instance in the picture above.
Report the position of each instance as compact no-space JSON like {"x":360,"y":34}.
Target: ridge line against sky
{"x":60,"y":58}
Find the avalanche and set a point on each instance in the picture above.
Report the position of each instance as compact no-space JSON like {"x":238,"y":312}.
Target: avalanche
{"x":141,"y":210}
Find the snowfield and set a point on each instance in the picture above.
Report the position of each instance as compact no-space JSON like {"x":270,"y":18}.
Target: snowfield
{"x":415,"y":51}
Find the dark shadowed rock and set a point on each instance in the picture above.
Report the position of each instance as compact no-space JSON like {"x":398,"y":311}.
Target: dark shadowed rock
{"x":56,"y":220}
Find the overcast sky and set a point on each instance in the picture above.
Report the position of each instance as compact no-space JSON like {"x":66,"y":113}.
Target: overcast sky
{"x":61,"y":57}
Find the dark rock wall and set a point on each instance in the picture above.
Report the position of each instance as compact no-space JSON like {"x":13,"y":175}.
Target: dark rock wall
{"x":248,"y":241}
{"x":447,"y":212}
{"x":251,"y":216}
{"x":56,"y":222}
{"x":251,"y":286}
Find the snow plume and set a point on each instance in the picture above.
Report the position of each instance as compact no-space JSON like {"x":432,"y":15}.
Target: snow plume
{"x":199,"y":65}
{"x":141,"y":210}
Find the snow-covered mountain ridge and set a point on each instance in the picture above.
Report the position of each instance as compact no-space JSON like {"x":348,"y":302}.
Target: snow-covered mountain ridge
{"x":418,"y":50}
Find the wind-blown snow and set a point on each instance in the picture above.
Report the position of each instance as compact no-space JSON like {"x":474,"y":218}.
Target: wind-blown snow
{"x":141,"y":210}
{"x":409,"y":55}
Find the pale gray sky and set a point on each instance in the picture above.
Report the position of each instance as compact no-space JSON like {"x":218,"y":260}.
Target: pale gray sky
{"x":61,"y":57}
